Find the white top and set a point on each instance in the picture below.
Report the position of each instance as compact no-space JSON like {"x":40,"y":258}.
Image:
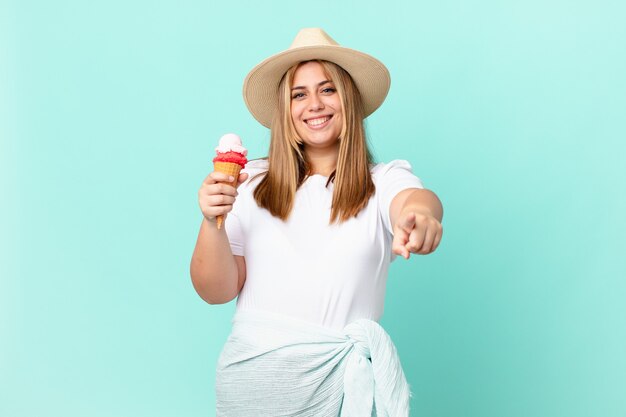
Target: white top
{"x":305,"y":268}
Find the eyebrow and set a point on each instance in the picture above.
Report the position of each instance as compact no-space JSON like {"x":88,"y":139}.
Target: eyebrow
{"x":319,"y":85}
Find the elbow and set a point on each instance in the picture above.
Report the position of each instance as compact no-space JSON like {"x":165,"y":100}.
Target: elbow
{"x":433,"y":203}
{"x":210,"y":293}
{"x":216,"y":299}
{"x":424,"y":199}
{"x":438,"y":208}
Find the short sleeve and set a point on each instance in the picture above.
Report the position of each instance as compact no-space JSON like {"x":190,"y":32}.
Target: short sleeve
{"x":234,"y":232}
{"x":236,"y":220}
{"x":390,"y":179}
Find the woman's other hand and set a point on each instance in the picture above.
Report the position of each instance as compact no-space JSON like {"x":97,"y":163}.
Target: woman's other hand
{"x":416,"y":216}
{"x":416,"y":232}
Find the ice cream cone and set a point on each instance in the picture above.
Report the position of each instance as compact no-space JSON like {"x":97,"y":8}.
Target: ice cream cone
{"x":228,"y":168}
{"x":230,"y":159}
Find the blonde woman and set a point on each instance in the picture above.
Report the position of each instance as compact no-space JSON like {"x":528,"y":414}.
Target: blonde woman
{"x":309,"y":236}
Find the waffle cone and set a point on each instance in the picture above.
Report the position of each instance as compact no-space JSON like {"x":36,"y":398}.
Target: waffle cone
{"x":228,"y":168}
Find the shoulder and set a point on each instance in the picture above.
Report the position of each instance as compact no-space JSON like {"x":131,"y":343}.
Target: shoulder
{"x":254,"y":168}
{"x":393,"y":177}
{"x":392,"y":169}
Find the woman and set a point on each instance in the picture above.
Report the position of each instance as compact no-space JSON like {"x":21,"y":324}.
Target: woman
{"x":311,"y":231}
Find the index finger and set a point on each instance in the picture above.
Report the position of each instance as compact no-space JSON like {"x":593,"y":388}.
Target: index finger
{"x":215,"y":177}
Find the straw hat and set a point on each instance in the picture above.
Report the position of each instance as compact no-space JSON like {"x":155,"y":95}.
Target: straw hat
{"x":260,"y":88}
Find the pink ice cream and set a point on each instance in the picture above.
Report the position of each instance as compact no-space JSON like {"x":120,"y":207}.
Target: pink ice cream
{"x":230,"y":149}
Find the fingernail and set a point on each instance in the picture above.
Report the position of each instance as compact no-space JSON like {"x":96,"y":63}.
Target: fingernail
{"x":231,"y":178}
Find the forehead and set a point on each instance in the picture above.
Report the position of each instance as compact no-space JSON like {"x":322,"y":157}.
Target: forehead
{"x":309,"y":73}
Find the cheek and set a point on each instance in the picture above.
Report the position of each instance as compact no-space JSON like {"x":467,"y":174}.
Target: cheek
{"x":335,"y":103}
{"x":295,"y":111}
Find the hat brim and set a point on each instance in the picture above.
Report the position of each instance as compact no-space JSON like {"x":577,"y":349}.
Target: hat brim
{"x":260,"y":88}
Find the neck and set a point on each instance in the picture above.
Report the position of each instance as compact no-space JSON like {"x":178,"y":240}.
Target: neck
{"x":322,"y":161}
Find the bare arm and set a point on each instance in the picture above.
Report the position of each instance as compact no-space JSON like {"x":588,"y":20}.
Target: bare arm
{"x":416,"y":216}
{"x":217,"y":275}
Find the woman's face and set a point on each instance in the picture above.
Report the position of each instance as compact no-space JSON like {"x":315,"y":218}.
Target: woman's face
{"x":316,"y":109}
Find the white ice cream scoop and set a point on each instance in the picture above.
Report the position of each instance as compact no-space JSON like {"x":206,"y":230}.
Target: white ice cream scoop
{"x":231,"y":142}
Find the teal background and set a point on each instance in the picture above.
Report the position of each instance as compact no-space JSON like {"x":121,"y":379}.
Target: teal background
{"x":513,"y":112}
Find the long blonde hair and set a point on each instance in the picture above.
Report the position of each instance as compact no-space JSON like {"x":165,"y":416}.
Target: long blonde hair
{"x":288,"y":167}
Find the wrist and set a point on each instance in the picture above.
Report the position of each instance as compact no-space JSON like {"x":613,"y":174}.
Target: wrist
{"x":416,"y":208}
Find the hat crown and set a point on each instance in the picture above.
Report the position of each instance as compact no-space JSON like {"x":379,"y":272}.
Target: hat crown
{"x":312,"y":37}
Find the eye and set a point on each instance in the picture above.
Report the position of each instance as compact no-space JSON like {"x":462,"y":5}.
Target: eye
{"x":296,"y":96}
{"x":328,"y":90}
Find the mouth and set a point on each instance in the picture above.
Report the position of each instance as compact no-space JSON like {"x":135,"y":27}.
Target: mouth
{"x":318,"y":122}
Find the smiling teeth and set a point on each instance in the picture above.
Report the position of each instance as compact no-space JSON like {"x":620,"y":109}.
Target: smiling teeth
{"x":317,"y":122}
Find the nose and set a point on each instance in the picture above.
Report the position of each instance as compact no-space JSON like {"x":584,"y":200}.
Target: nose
{"x":316,"y":103}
